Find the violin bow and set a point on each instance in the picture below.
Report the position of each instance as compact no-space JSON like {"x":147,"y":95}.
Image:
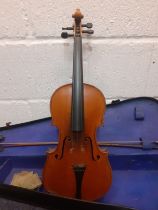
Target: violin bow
{"x":128,"y":144}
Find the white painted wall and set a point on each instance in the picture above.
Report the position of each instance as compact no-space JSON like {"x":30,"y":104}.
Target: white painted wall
{"x":121,"y":58}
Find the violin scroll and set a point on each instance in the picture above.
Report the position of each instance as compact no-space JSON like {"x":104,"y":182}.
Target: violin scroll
{"x":77,"y":26}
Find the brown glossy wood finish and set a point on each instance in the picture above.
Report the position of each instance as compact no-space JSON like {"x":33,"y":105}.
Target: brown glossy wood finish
{"x":77,"y":148}
{"x":77,"y":14}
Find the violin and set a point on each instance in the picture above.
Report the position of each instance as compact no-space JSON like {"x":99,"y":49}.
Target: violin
{"x":77,"y":167}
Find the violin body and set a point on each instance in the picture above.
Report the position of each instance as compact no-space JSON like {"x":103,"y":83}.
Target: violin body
{"x":77,"y":167}
{"x":59,"y":165}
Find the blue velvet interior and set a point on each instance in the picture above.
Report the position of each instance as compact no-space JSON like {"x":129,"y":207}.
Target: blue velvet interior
{"x":135,"y":171}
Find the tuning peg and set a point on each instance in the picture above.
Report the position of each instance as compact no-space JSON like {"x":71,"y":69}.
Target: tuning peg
{"x":65,"y":35}
{"x":67,"y":28}
{"x":88,"y":31}
{"x":88,"y":25}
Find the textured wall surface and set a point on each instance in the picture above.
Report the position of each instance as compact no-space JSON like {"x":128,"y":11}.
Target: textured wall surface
{"x":121,"y":58}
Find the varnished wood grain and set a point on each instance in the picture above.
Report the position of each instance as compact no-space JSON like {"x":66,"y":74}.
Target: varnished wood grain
{"x":58,"y":174}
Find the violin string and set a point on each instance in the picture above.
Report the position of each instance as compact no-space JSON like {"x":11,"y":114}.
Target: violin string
{"x":72,"y":140}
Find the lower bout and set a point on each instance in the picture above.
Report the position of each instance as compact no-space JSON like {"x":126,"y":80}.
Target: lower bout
{"x":83,"y":181}
{"x":96,"y":181}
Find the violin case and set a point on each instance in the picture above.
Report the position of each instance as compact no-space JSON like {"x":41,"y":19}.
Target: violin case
{"x":135,"y":170}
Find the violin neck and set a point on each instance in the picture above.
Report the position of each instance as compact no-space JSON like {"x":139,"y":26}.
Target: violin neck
{"x":77,"y":112}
